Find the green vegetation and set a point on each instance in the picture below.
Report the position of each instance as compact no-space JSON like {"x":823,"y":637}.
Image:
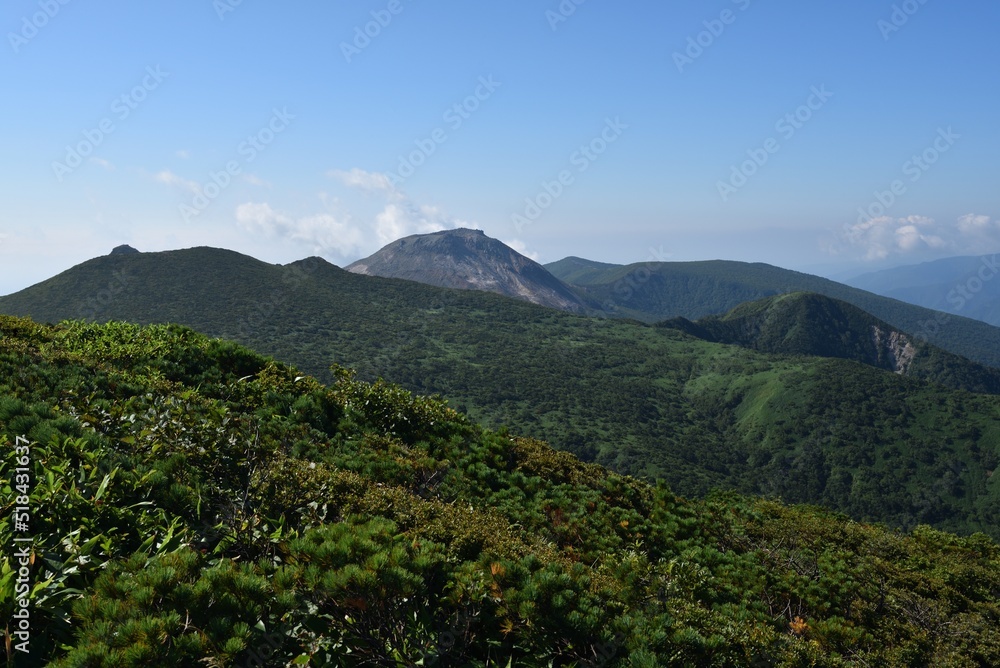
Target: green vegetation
{"x":802,"y":323}
{"x":193,"y":503}
{"x":655,"y":291}
{"x":644,"y":401}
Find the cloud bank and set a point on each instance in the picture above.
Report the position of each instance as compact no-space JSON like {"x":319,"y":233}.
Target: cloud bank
{"x":323,"y":232}
{"x":888,"y":237}
{"x":400,"y":216}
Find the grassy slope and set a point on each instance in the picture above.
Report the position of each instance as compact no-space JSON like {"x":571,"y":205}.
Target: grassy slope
{"x":642,"y":400}
{"x":656,"y":291}
{"x":193,"y":503}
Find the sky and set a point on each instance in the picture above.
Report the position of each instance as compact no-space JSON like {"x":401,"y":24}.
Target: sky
{"x":829,"y":137}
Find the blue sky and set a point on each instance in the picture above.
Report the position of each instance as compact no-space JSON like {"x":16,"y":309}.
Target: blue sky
{"x":628,"y":131}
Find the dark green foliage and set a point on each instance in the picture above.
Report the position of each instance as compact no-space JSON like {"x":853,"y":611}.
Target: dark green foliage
{"x":642,"y":400}
{"x":811,"y":324}
{"x":185,"y":514}
{"x":654,"y":291}
{"x":168,"y":610}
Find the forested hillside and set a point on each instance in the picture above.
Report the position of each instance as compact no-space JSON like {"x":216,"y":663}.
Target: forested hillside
{"x":654,"y":291}
{"x":642,"y":400}
{"x":802,"y":323}
{"x":193,"y":503}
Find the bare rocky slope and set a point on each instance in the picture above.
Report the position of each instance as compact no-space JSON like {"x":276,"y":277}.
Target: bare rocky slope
{"x":470,"y":260}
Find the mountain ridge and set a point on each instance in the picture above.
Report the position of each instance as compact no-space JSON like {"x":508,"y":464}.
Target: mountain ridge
{"x":802,"y":323}
{"x":962,"y":285}
{"x":642,"y":400}
{"x":654,"y":291}
{"x":469,"y":260}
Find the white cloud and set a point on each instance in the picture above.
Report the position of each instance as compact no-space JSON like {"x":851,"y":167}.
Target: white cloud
{"x":977,"y":224}
{"x":881,"y":238}
{"x":101,"y":162}
{"x":401,"y":216}
{"x":256,"y":181}
{"x":909,"y":238}
{"x":401,"y":220}
{"x":261,"y":218}
{"x":323,"y":232}
{"x":169,"y":178}
{"x":920,"y":221}
{"x":375,"y":182}
{"x":329,"y":232}
{"x":391,"y":224}
{"x":183,"y":154}
{"x":522,"y":248}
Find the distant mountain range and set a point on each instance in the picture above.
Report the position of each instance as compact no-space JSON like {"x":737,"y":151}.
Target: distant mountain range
{"x":654,"y":291}
{"x":650,"y":292}
{"x":966,"y":286}
{"x":874,"y":427}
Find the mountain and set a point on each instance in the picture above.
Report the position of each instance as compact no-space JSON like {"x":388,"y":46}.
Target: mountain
{"x":654,"y":291}
{"x":469,"y":260}
{"x":642,"y":400}
{"x":193,"y":503}
{"x":958,"y":285}
{"x":810,"y":324}
{"x":578,"y":271}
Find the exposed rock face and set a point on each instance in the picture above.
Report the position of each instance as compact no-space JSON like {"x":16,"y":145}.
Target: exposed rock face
{"x":811,"y":324}
{"x":469,"y":260}
{"x":124,"y":249}
{"x":896,"y":347}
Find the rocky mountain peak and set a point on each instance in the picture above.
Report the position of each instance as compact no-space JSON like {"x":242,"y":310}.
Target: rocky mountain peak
{"x":469,"y":260}
{"x":124,"y":249}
